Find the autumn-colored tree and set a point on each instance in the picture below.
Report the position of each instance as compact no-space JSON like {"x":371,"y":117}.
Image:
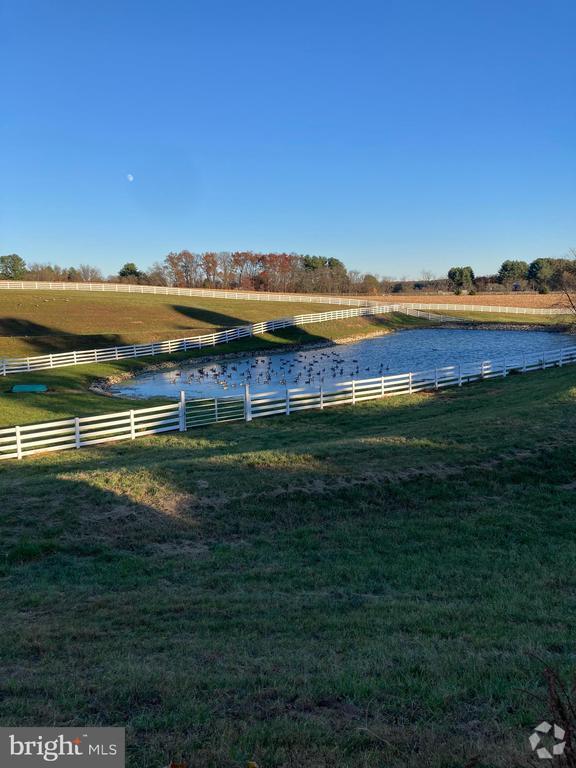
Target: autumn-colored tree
{"x":210,"y":267}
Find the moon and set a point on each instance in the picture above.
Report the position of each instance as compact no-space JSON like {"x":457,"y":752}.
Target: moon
{"x":130,"y":177}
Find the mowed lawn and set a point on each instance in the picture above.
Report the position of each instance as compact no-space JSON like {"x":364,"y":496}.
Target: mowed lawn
{"x":33,"y":323}
{"x":373,"y":586}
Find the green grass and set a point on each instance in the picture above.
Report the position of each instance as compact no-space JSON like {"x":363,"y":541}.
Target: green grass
{"x":366,"y":586}
{"x":68,"y":395}
{"x":33,"y":323}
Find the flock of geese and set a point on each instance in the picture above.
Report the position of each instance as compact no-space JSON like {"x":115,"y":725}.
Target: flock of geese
{"x":297,"y":370}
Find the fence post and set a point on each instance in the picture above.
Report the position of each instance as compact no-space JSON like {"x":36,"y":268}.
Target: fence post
{"x":18,"y":443}
{"x":77,"y":431}
{"x":132,"y":426}
{"x":436,"y":378}
{"x":543,"y":359}
{"x":382,"y":386}
{"x":410,"y":383}
{"x":287,"y":402}
{"x":561,"y":360}
{"x":459,"y":374}
{"x":353,"y":392}
{"x":4,"y":367}
{"x":321,"y":397}
{"x":182,"y":411}
{"x":524,"y":363}
{"x":247,"y":403}
{"x":504,"y":371}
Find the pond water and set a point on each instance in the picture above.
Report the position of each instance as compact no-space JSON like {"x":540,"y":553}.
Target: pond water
{"x":411,"y":350}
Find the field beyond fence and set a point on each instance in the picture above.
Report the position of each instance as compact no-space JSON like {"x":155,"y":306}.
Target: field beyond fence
{"x":523,"y":299}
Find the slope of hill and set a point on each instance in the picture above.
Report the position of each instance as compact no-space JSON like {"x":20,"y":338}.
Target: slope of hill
{"x":366,"y":586}
{"x":33,"y":323}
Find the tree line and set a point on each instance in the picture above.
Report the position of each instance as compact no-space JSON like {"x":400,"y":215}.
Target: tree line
{"x":246,"y":270}
{"x":290,"y":272}
{"x":542,"y":275}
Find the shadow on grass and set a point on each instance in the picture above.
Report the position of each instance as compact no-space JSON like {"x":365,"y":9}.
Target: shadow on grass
{"x":43,"y":339}
{"x":294,"y":334}
{"x":209,"y":316}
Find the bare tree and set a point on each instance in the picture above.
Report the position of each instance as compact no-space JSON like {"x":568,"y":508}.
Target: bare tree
{"x":568,"y":280}
{"x":89,"y":274}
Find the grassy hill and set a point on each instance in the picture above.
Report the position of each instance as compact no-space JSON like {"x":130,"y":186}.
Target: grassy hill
{"x":368,"y":586}
{"x":33,"y":323}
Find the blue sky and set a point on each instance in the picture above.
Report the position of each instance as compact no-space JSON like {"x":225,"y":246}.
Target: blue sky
{"x":397,"y":136}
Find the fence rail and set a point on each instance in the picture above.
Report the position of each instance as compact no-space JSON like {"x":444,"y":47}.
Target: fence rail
{"x":21,"y":441}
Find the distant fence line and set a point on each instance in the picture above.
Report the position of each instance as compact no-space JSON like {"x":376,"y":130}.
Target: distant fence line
{"x":171,"y":346}
{"x":495,"y":310}
{"x":222,"y":293}
{"x":83,"y":432}
{"x":162,"y":290}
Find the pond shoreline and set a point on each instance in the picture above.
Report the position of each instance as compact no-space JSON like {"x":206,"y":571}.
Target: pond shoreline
{"x":471,"y":325}
{"x":104,"y":386}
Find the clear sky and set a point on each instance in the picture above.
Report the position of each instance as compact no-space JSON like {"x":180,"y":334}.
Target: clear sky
{"x":397,"y":135}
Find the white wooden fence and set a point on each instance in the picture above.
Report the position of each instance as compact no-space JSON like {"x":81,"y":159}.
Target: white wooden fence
{"x":21,"y":441}
{"x":493,"y":309}
{"x":426,"y":315}
{"x":161,"y":290}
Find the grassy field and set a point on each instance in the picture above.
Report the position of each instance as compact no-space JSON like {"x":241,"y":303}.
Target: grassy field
{"x":33,"y":323}
{"x":68,"y":393}
{"x":513,"y":299}
{"x":565,"y":322}
{"x":368,"y":586}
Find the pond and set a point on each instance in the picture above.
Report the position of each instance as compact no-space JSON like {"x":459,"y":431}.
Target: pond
{"x":400,"y":352}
